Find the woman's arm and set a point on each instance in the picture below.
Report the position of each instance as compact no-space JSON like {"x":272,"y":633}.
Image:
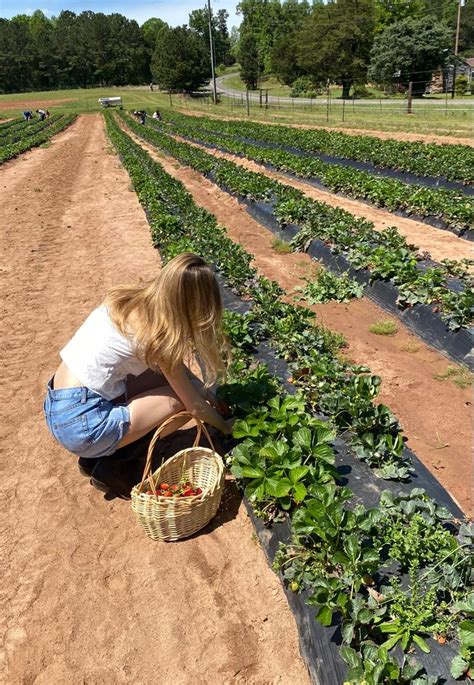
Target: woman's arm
{"x":193,"y":401}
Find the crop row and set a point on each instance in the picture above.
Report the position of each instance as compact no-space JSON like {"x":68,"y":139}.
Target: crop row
{"x":20,"y":133}
{"x":13,"y":123}
{"x":285,"y":461}
{"x":454,"y":162}
{"x":386,"y":254}
{"x":14,"y":149}
{"x":454,"y":209}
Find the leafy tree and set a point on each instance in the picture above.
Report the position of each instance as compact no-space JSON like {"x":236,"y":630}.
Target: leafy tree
{"x":336,"y":41}
{"x":466,"y":29}
{"x":199,"y":21}
{"x":249,"y":60}
{"x":180,"y":61}
{"x":284,"y":55}
{"x":410,"y":50}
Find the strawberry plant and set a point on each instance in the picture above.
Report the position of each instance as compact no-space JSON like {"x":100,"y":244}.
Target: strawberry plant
{"x":329,"y":287}
{"x":455,"y":162}
{"x":385,"y":254}
{"x":342,"y":553}
{"x":455,"y":209}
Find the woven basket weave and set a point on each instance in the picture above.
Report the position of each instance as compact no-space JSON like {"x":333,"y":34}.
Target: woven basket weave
{"x":173,"y":518}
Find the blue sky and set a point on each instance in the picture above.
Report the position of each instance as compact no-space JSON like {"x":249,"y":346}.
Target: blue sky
{"x":172,"y":12}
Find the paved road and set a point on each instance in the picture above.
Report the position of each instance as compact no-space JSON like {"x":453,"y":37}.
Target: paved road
{"x":274,"y":99}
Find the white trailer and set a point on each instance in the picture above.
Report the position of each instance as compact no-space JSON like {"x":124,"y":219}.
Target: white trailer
{"x":111,"y":102}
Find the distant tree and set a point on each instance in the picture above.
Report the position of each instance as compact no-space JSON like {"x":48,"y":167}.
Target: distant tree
{"x":180,"y":61}
{"x":199,"y":21}
{"x":284,"y":58}
{"x":466,"y":30}
{"x":249,"y":60}
{"x":336,"y":41}
{"x":410,"y":50}
{"x":151,"y":30}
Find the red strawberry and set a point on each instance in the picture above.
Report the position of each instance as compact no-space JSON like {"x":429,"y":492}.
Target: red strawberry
{"x":164,"y":486}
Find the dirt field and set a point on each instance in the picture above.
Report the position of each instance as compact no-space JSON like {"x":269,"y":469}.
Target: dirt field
{"x":85,"y":597}
{"x":33,"y":104}
{"x":436,"y":418}
{"x":439,"y":243}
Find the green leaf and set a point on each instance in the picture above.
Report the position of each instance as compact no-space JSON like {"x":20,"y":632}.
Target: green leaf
{"x":278,"y":488}
{"x":466,"y":633}
{"x":417,"y":639}
{"x":297,"y":473}
{"x":324,"y":616}
{"x":302,"y":438}
{"x":350,"y":656}
{"x":250,"y":472}
{"x":391,"y":642}
{"x":459,"y":666}
{"x":299,"y":492}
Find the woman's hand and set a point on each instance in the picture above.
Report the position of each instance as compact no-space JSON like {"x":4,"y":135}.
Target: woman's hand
{"x":229,"y":426}
{"x":219,"y":405}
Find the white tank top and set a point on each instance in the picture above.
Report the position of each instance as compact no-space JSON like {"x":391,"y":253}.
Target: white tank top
{"x":100,"y":356}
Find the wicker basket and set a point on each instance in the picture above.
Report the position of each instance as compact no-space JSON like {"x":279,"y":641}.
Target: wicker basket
{"x":173,"y":518}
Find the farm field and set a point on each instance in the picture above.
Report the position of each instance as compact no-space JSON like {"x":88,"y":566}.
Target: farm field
{"x":78,"y":198}
{"x":429,"y":122}
{"x":100,"y":589}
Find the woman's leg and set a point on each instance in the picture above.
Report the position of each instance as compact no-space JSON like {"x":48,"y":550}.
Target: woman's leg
{"x":151,"y":408}
{"x":146,"y":381}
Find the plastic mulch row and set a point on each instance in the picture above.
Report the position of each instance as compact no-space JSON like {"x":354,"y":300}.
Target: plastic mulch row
{"x":319,"y":646}
{"x":420,"y":318}
{"x":436,"y":222}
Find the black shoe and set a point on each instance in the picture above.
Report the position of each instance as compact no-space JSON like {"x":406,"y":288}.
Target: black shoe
{"x":86,"y":466}
{"x":115,"y":476}
{"x":108,"y":493}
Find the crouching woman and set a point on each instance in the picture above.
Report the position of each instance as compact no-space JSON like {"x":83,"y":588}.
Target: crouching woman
{"x":126,"y":369}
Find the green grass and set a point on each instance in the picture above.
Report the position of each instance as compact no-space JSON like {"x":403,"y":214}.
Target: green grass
{"x":281,"y":246}
{"x":389,"y":118}
{"x":384,"y":327}
{"x":458,"y":374}
{"x":267,"y":82}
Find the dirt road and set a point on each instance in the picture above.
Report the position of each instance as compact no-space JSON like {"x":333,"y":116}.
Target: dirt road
{"x":85,"y":597}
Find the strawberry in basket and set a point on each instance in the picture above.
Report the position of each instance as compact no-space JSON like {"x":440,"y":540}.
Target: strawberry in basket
{"x":183,"y":489}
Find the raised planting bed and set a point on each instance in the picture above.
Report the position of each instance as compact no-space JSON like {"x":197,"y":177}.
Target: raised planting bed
{"x":58,"y":123}
{"x":446,"y":209}
{"x":452,"y":162}
{"x":397,"y":277}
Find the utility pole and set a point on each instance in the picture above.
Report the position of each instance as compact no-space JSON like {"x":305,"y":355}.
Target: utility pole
{"x":456,"y":46}
{"x":211,"y":44}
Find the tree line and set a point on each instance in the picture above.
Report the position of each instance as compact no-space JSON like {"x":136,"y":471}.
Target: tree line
{"x":92,"y":49}
{"x":304,"y":44}
{"x":390,"y":42}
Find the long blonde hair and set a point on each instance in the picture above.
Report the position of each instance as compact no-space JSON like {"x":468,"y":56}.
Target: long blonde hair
{"x":176,"y":315}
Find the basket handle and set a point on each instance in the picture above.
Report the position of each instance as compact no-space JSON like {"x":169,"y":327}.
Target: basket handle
{"x":201,"y":428}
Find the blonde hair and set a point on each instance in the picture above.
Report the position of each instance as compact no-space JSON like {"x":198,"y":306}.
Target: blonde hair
{"x":176,"y":315}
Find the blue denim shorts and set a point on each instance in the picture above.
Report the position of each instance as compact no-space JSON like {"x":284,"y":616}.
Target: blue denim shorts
{"x":83,"y":422}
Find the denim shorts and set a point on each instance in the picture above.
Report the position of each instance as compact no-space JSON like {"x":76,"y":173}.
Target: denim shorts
{"x":83,"y":422}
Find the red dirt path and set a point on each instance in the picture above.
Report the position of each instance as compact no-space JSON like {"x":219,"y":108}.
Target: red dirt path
{"x":85,"y":596}
{"x":436,"y":416}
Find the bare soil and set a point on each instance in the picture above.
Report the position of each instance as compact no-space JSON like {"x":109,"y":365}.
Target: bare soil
{"x":33,"y":104}
{"x":384,"y":135}
{"x":435,"y":415}
{"x":85,"y":596}
{"x":439,"y":243}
